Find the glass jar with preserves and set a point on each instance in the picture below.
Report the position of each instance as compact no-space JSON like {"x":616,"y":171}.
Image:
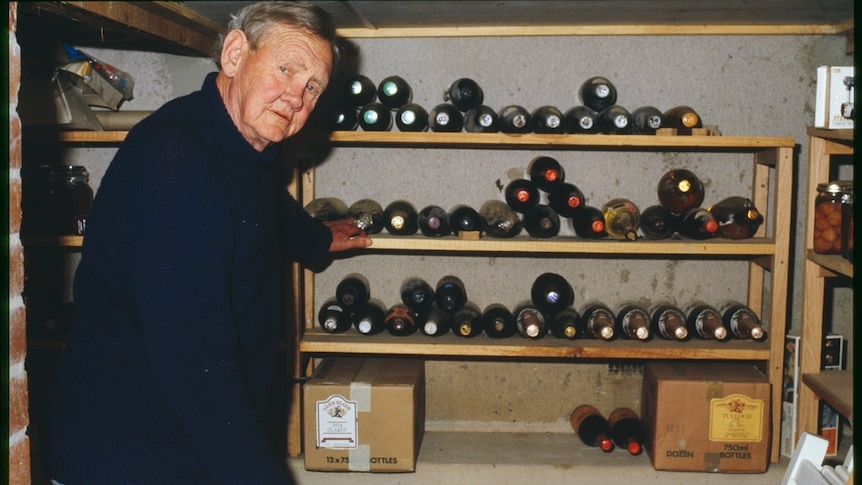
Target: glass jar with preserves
{"x":827,"y":217}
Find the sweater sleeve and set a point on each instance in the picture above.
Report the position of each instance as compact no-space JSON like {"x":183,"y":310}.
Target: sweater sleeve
{"x":304,"y":238}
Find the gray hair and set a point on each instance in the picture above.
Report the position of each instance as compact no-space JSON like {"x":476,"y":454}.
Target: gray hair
{"x":256,"y":19}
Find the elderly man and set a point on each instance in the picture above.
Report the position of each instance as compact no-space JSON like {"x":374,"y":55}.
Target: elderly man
{"x":169,"y":367}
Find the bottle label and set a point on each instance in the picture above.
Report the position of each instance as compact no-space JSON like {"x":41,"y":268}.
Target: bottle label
{"x":736,"y":418}
{"x":336,"y":423}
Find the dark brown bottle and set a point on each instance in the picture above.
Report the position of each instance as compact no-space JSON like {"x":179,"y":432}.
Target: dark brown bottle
{"x":704,"y":321}
{"x":566,"y":199}
{"x":697,"y":223}
{"x":615,"y":120}
{"x":547,"y":120}
{"x":680,"y":190}
{"x":375,"y":117}
{"x":394,"y":92}
{"x":741,"y":320}
{"x":400,"y":218}
{"x":333,"y":317}
{"x":445,"y":118}
{"x":626,"y":430}
{"x":541,"y":222}
{"x":433,"y":221}
{"x":633,"y":322}
{"x":417,"y":294}
{"x":359,"y":90}
{"x":529,"y":320}
{"x":368,"y":319}
{"x":589,"y":223}
{"x":669,"y":322}
{"x":411,"y":118}
{"x":434,"y":322}
{"x":353,"y":291}
{"x":450,"y":294}
{"x":737,"y":217}
{"x":646,"y":120}
{"x":581,"y":120}
{"x":327,"y":209}
{"x":463,"y":218}
{"x":598,"y":93}
{"x":498,"y":321}
{"x":592,"y":428}
{"x":546,"y":173}
{"x":598,"y":321}
{"x":464,"y":94}
{"x":499,"y":220}
{"x":521,"y":195}
{"x":481,"y":119}
{"x":367,"y":215}
{"x":657,"y":222}
{"x":400,"y":321}
{"x":552,"y":293}
{"x":683,"y":118}
{"x":467,"y":321}
{"x":515,"y":119}
{"x":341,"y":117}
{"x":566,"y":324}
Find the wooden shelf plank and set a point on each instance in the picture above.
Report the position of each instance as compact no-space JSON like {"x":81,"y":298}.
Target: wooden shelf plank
{"x":831,"y":262}
{"x":845,"y":135}
{"x":316,"y":341}
{"x":835,"y":387}
{"x":53,"y":241}
{"x":73,"y":136}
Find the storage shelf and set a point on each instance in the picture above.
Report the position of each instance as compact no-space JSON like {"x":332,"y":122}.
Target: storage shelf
{"x":53,"y":241}
{"x":831,"y":262}
{"x":835,"y":387}
{"x":317,"y":341}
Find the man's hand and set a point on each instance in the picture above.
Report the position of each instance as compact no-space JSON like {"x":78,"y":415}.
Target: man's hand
{"x":345,"y":235}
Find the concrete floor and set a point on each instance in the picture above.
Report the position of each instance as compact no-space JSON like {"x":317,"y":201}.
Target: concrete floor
{"x":527,"y":458}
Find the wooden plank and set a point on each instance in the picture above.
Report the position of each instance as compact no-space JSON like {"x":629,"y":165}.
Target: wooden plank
{"x":833,"y":263}
{"x":835,"y":387}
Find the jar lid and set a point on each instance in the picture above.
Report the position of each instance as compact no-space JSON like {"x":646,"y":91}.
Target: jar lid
{"x":836,"y":187}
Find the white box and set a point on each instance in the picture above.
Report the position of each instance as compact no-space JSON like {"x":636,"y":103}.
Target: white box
{"x":789,"y":393}
{"x":834,"y":101}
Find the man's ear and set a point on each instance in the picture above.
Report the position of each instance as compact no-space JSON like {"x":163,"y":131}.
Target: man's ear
{"x":232,"y":51}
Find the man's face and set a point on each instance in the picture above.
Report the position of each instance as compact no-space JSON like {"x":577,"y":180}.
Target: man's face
{"x":276,"y":86}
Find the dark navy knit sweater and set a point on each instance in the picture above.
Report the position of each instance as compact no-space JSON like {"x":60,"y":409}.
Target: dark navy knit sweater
{"x":169,"y":368}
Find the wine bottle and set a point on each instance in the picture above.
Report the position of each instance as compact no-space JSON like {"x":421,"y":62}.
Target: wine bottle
{"x":737,"y":217}
{"x":412,"y":118}
{"x":697,"y":223}
{"x":680,"y":190}
{"x":400,"y":218}
{"x":375,"y":117}
{"x":359,"y":91}
{"x":542,"y":222}
{"x":400,"y":321}
{"x":658,"y":222}
{"x":668,"y":322}
{"x":521,"y":195}
{"x":417,"y":294}
{"x":552,"y":293}
{"x":622,"y":219}
{"x":615,"y":120}
{"x":566,"y":199}
{"x":367,"y":215}
{"x":598,"y":321}
{"x":515,"y":119}
{"x":333,"y":317}
{"x":588,"y":222}
{"x":368,"y":319}
{"x":499,"y":220}
{"x":445,"y":118}
{"x":598,"y":93}
{"x":741,"y":320}
{"x":547,"y":120}
{"x":434,"y":322}
{"x":481,"y":119}
{"x":529,"y":320}
{"x":353,"y":291}
{"x":467,"y":321}
{"x":683,"y":118}
{"x":394,"y":92}
{"x":566,"y":324}
{"x":705,"y":322}
{"x":581,"y":120}
{"x":450,"y":294}
{"x":498,"y":321}
{"x":592,"y":428}
{"x":546,"y":173}
{"x":464,"y":94}
{"x":342,"y":117}
{"x":626,"y":430}
{"x":463,"y":218}
{"x":433,"y":221}
{"x":327,"y":209}
{"x":646,"y":120}
{"x":633,"y":322}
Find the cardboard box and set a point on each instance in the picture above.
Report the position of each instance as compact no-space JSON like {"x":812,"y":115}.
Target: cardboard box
{"x":832,"y":358}
{"x":364,"y":415}
{"x":834,"y":100}
{"x":707,"y":417}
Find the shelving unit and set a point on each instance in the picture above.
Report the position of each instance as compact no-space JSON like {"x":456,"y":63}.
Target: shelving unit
{"x":833,"y":387}
{"x":767,"y":254}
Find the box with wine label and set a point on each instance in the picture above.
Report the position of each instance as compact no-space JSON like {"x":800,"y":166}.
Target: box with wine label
{"x":834,"y":101}
{"x":707,"y":417}
{"x":364,"y":415}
